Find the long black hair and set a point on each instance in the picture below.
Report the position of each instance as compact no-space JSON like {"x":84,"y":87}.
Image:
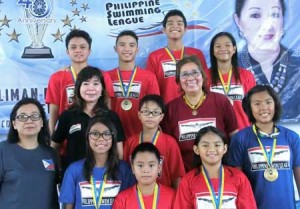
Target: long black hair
{"x":43,"y":135}
{"x":213,"y":60}
{"x":112,"y":160}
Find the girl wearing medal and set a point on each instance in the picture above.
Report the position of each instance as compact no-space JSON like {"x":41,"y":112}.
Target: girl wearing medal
{"x":196,"y":108}
{"x":94,"y":182}
{"x":211,"y":185}
{"x":226,"y":77}
{"x":267,"y":152}
{"x":147,"y":193}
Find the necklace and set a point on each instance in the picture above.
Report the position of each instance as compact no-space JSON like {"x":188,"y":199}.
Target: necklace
{"x":278,"y":81}
{"x":196,"y":106}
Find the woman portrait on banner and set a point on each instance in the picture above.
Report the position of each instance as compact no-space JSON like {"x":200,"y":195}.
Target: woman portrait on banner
{"x":28,"y":165}
{"x":261,"y":24}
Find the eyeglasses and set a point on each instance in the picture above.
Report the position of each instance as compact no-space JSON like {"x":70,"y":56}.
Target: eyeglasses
{"x":95,"y":135}
{"x":187,"y":74}
{"x":24,"y":117}
{"x":148,"y":112}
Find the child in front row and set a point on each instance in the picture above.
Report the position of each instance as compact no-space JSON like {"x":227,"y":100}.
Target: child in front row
{"x":95,"y":181}
{"x":151,"y":112}
{"x":211,"y":185}
{"x":146,"y":194}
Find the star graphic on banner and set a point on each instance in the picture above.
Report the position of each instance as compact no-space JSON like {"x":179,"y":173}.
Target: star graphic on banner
{"x":1,"y":30}
{"x":85,"y":6}
{"x":1,"y":2}
{"x":73,"y":2}
{"x":58,"y":36}
{"x":14,"y":36}
{"x":76,"y":12}
{"x":75,"y":28}
{"x":67,"y":21}
{"x":5,"y":21}
{"x":83,"y":19}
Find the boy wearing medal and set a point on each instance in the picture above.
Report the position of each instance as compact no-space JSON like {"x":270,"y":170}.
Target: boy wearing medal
{"x":130,"y":82}
{"x":61,"y":84}
{"x":147,"y":193}
{"x":162,"y":62}
{"x":211,"y":185}
{"x":151,"y":113}
{"x":267,"y":152}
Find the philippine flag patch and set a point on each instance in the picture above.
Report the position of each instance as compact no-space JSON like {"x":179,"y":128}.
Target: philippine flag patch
{"x":48,"y":164}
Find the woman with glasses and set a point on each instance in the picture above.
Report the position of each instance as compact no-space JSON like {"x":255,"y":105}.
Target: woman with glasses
{"x":196,"y":108}
{"x":28,"y":165}
{"x":90,"y":94}
{"x":95,"y":181}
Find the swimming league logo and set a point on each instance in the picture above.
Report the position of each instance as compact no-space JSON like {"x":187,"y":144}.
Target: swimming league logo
{"x":143,"y":17}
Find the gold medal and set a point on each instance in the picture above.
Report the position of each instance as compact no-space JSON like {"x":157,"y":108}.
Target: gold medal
{"x":271,"y":174}
{"x":194,"y":112}
{"x":126,"y":104}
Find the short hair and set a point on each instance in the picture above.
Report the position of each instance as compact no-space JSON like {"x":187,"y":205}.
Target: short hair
{"x":239,"y":4}
{"x":43,"y":135}
{"x":190,"y":59}
{"x":200,"y":134}
{"x":157,"y":99}
{"x":213,"y":60}
{"x":145,"y":147}
{"x":127,"y":33}
{"x":84,"y":75}
{"x":112,"y":160}
{"x":174,"y":12}
{"x":246,"y":103}
{"x":79,"y":34}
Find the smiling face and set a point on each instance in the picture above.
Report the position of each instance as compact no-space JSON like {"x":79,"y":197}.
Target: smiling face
{"x":127,"y":48}
{"x":175,"y":28}
{"x":191,"y":80}
{"x":262,"y":107}
{"x":261,"y":22}
{"x":28,"y":128}
{"x":78,"y":50}
{"x":90,"y":90}
{"x":101,"y":145}
{"x":223,"y":49}
{"x":210,"y":149}
{"x":146,"y":167}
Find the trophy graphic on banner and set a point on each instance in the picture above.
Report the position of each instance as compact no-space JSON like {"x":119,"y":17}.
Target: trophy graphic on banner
{"x":37,"y":13}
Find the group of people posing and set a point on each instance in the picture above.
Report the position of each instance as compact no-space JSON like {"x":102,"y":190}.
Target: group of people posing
{"x":117,"y":145}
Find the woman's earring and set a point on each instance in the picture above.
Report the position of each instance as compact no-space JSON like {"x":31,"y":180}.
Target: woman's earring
{"x":241,"y":34}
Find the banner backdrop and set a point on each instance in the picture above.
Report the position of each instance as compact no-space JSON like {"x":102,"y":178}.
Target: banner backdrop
{"x":32,"y":37}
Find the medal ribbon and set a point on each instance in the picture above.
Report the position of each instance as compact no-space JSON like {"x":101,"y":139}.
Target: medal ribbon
{"x":171,"y":55}
{"x":268,"y":157}
{"x":226,"y":86}
{"x":217,"y":203}
{"x":194,"y":107}
{"x":125,"y":89}
{"x":155,"y":197}
{"x":74,"y":75}
{"x":154,"y":137}
{"x":97,"y":196}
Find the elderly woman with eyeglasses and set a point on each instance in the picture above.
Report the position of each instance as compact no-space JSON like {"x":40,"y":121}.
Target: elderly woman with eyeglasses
{"x":196,"y":108}
{"x":28,"y":165}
